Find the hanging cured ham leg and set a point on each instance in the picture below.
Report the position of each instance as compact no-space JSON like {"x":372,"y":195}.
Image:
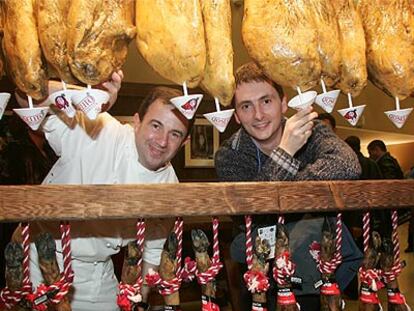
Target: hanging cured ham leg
{"x":261,"y":253}
{"x":322,"y":13}
{"x":53,"y":34}
{"x":22,"y":49}
{"x":370,"y":276}
{"x":203,"y":260}
{"x":131,"y":271}
{"x":46,"y":249}
{"x":281,"y":39}
{"x":200,"y":246}
{"x":218,"y":77}
{"x":396,"y":301}
{"x":388,"y":28}
{"x":391,"y":266}
{"x":283,"y":270}
{"x":99,"y":34}
{"x":330,"y":294}
{"x":14,"y":273}
{"x":168,"y":267}
{"x":170,"y":37}
{"x":353,"y":77}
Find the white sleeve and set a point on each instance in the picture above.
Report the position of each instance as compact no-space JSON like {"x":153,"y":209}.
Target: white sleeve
{"x":54,"y":129}
{"x":68,"y":137}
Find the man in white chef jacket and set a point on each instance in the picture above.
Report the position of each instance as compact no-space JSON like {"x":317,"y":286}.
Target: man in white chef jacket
{"x":104,"y":151}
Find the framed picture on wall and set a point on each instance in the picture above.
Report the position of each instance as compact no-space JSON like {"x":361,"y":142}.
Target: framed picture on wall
{"x":203,"y":144}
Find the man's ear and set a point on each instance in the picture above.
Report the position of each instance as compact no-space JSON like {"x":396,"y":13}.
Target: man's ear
{"x":284,"y":104}
{"x":186,"y":140}
{"x":236,"y":117}
{"x":137,"y":121}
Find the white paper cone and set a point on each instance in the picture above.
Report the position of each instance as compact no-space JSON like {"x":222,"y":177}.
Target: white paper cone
{"x":303,"y":101}
{"x":63,"y":101}
{"x":90,"y":101}
{"x":187,"y":104}
{"x":33,"y":117}
{"x":4,"y":99}
{"x":352,"y":114}
{"x":220,"y":119}
{"x":327,"y":100}
{"x":398,"y":117}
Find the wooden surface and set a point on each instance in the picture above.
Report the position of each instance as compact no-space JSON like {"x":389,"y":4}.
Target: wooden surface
{"x":71,"y":202}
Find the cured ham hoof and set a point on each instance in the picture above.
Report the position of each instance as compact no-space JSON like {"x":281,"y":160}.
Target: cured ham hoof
{"x":13,"y":255}
{"x":200,"y":241}
{"x":262,"y":250}
{"x":46,"y":246}
{"x":282,"y":237}
{"x":171,"y":246}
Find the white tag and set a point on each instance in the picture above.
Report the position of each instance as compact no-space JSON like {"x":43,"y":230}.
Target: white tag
{"x":269,"y":234}
{"x":318,"y":284}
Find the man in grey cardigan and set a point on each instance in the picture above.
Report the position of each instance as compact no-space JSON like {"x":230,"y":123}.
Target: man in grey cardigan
{"x":270,"y":147}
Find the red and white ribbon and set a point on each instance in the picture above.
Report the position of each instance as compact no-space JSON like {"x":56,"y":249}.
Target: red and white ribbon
{"x":329,"y":267}
{"x":284,"y":268}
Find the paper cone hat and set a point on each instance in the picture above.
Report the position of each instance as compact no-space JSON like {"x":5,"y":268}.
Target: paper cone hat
{"x":398,"y":117}
{"x":90,"y":101}
{"x":303,"y":101}
{"x":327,"y":100}
{"x":352,"y":114}
{"x":4,"y":99}
{"x":33,"y":117}
{"x":187,"y":104}
{"x":220,"y":119}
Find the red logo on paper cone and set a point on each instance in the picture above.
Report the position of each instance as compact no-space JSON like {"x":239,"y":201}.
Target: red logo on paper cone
{"x":397,"y":118}
{"x":219,"y":121}
{"x":34,"y":119}
{"x":87,"y":103}
{"x":328,"y":101}
{"x":190,"y":105}
{"x":351,"y":115}
{"x":61,"y":102}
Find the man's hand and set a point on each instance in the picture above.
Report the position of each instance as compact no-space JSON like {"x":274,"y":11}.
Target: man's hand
{"x":113,"y":86}
{"x":297,"y":130}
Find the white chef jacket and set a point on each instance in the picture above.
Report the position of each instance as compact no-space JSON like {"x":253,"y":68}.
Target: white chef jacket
{"x":98,"y":152}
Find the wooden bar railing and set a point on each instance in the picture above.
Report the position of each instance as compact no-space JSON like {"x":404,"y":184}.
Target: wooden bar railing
{"x":82,"y":202}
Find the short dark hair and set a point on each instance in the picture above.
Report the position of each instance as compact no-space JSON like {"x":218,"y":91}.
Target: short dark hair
{"x":329,"y":117}
{"x":377,"y":144}
{"x":354,"y":142}
{"x":251,"y":72}
{"x":164,"y":94}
